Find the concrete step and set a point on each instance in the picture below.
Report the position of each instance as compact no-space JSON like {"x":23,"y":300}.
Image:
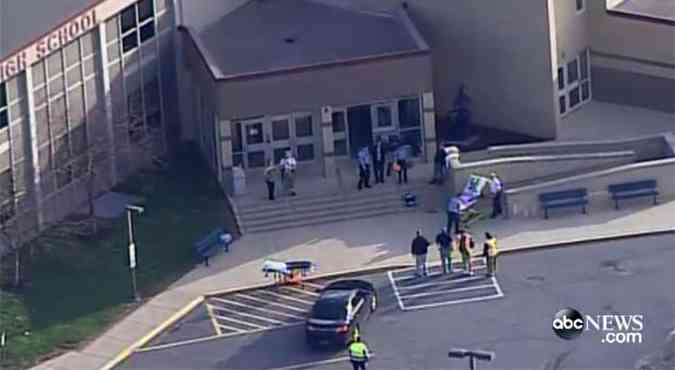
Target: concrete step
{"x":301,"y":201}
{"x":332,"y":204}
{"x":320,"y":213}
{"x":333,"y":217}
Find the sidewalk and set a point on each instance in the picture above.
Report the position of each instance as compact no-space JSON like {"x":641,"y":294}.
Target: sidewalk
{"x":350,"y":245}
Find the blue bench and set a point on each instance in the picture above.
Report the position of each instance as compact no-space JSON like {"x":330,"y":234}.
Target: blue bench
{"x":209,"y":245}
{"x":563,"y":199}
{"x":645,"y":188}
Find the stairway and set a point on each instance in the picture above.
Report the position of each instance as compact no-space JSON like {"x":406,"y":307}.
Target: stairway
{"x":301,"y":211}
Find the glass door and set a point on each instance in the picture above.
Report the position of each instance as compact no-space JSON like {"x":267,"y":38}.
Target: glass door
{"x":340,"y":135}
{"x":255,"y":146}
{"x":303,"y":141}
{"x":280,"y":127}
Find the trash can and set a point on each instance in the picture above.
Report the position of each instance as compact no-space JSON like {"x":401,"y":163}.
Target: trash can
{"x":239,"y":178}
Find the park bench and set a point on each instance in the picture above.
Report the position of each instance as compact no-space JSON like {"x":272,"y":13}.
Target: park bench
{"x":637,"y":189}
{"x":563,"y":199}
{"x":209,"y":245}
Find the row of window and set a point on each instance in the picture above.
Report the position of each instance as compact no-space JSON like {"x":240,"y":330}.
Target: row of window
{"x":574,"y":82}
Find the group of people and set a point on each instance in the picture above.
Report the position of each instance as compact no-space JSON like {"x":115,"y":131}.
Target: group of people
{"x":286,"y":170}
{"x":463,"y":243}
{"x":454,"y":209}
{"x":378,"y":156}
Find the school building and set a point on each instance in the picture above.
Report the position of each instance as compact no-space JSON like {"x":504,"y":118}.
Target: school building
{"x":126,"y":81}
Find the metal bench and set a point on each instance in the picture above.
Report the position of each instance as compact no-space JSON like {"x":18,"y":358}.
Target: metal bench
{"x":209,"y":245}
{"x":563,"y":199}
{"x":637,"y":189}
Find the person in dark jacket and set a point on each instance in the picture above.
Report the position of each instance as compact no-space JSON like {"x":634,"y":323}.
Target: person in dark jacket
{"x":419,"y":249}
{"x":379,"y":154}
{"x":444,"y":242}
{"x":439,"y":166}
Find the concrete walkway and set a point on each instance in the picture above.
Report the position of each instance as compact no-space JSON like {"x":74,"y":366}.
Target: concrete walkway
{"x":350,"y":245}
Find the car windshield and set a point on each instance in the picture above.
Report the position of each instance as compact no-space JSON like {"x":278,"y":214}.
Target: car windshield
{"x":329,"y":310}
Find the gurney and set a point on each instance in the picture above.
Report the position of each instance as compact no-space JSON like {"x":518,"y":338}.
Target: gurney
{"x":472,"y":192}
{"x":289,"y":272}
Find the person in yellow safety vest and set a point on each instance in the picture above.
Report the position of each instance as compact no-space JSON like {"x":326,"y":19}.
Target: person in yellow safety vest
{"x":358,"y":353}
{"x":490,"y":252}
{"x":464,"y":245}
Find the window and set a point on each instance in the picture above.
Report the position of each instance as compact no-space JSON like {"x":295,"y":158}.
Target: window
{"x":580,"y":5}
{"x":4,"y":118}
{"x":585,"y":91}
{"x":280,"y":153}
{"x":147,"y":31}
{"x":237,"y":143}
{"x":561,"y":78}
{"x":583,"y":64}
{"x":128,"y":19}
{"x":145,"y":10}
{"x":383,"y":116}
{"x":129,"y":42}
{"x":409,"y":113}
{"x":303,"y":126}
{"x":280,"y":130}
{"x":572,"y":71}
{"x":574,"y":97}
{"x":340,"y":147}
{"x":338,"y":119}
{"x":305,"y":152}
{"x":562,"y":102}
{"x":254,"y":133}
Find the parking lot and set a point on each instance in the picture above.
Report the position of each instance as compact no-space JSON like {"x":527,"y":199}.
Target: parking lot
{"x":438,"y":289}
{"x":627,"y":276}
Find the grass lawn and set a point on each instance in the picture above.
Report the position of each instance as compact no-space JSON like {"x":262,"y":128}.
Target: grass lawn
{"x":74,"y":291}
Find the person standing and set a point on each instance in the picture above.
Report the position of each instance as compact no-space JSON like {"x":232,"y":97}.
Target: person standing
{"x":401,"y":159}
{"x":358,"y":353}
{"x":444,"y":241}
{"x":490,"y":252}
{"x":288,"y":166}
{"x":364,"y":168}
{"x":419,"y":249}
{"x":439,"y":166}
{"x":465,"y":245}
{"x":270,"y":176}
{"x":496,"y":188}
{"x":454,"y":214}
{"x":379,"y":154}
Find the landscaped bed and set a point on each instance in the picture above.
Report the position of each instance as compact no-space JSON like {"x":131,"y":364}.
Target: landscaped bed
{"x":74,"y":289}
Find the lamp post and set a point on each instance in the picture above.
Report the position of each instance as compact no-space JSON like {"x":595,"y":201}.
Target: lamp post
{"x":132,"y":248}
{"x":473,"y":355}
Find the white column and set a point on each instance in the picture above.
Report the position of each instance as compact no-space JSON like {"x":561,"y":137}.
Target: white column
{"x":37,"y":186}
{"x":429,"y":119}
{"x":328,"y":142}
{"x":107,"y":101}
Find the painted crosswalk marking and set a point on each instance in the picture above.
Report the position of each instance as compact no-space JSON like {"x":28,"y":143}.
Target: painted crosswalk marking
{"x":234,"y":303}
{"x":438,"y":289}
{"x":252,"y":298}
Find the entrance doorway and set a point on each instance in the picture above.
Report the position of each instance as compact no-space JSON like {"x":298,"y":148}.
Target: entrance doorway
{"x":270,"y":137}
{"x":360,"y":128}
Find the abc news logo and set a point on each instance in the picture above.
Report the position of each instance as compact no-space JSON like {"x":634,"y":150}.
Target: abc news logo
{"x":569,"y":324}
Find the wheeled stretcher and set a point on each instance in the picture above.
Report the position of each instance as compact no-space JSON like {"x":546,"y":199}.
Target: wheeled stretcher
{"x":289,"y":272}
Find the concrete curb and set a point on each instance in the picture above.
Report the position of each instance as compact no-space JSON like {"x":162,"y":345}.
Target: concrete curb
{"x":126,"y":353}
{"x":152,"y":334}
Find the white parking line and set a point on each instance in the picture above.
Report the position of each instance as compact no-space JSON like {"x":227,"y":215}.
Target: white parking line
{"x":289,"y":298}
{"x":246,"y":323}
{"x":246,"y":296}
{"x":231,"y":328}
{"x":499,"y":289}
{"x":442,"y":282}
{"x":256,"y":317}
{"x":447,"y":291}
{"x":299,"y":290}
{"x":213,"y":320}
{"x":409,"y":277}
{"x":259,"y":309}
{"x":447,"y":303}
{"x":393,"y":285}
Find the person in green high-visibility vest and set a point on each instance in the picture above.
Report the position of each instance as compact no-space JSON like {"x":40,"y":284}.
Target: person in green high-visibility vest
{"x":358,"y":353}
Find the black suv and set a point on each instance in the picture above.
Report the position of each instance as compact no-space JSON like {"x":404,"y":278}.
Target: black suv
{"x":340,"y":308}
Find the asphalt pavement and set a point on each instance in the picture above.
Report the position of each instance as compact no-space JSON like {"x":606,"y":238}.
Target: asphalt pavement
{"x":628,"y":276}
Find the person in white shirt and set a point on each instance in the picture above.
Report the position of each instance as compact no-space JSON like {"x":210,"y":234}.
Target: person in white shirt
{"x":496,"y":188}
{"x":288,"y":165}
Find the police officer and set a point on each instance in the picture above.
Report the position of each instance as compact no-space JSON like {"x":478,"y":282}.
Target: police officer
{"x":358,"y":353}
{"x":490,"y":252}
{"x":444,"y":242}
